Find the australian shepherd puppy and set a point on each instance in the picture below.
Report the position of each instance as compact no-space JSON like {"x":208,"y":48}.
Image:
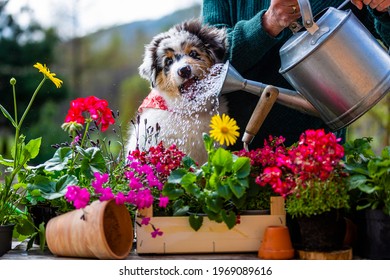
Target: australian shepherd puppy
{"x":179,"y":107}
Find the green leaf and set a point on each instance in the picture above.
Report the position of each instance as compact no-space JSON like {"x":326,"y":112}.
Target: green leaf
{"x":222,"y":161}
{"x":25,"y":226}
{"x":230,"y":218}
{"x":8,"y":116}
{"x":51,"y":189}
{"x":6,"y":162}
{"x":172,"y":192}
{"x":188,"y":179}
{"x":242,"y":167}
{"x":238,"y":186}
{"x":192,"y":189}
{"x":179,"y":209}
{"x":30,"y":243}
{"x":224,"y":191}
{"x":188,"y":162}
{"x":214,"y":203}
{"x":42,"y":236}
{"x":93,"y":161}
{"x":214,"y":181}
{"x":59,"y":161}
{"x":355,"y":180}
{"x":176,"y":175}
{"x":386,"y":152}
{"x":196,"y":221}
{"x":208,"y":142}
{"x":31,"y":149}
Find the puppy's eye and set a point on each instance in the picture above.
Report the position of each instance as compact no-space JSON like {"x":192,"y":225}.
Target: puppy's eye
{"x":194,"y":54}
{"x":168,"y":61}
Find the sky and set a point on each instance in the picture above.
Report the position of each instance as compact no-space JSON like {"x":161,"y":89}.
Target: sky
{"x":80,"y":17}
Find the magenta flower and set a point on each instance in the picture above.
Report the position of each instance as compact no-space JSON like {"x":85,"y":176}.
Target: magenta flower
{"x":164,"y":200}
{"x":80,"y":197}
{"x":100,"y":180}
{"x":156,"y":232}
{"x":145,"y":221}
{"x":120,"y":198}
{"x":106,"y":194}
{"x":143,"y":176}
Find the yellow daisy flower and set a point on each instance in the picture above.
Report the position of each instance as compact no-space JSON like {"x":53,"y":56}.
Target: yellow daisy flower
{"x":224,"y":129}
{"x":43,"y":69}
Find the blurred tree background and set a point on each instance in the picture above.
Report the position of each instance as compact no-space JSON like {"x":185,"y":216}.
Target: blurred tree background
{"x":20,"y":48}
{"x":105,"y":64}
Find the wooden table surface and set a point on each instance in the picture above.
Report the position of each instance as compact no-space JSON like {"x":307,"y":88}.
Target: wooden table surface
{"x":19,"y":253}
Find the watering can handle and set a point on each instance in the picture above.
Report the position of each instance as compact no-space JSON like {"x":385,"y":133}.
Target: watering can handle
{"x":307,"y":18}
{"x":263,"y":107}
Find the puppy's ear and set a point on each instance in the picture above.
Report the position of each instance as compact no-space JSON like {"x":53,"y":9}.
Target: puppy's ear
{"x":213,"y":38}
{"x":216,"y":41}
{"x":150,"y":65}
{"x":146,"y":70}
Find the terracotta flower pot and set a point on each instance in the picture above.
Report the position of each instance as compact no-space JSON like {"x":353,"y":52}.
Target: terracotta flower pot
{"x":102,"y":230}
{"x":276,"y":244}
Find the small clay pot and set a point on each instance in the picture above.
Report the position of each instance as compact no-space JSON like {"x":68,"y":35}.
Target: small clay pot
{"x":276,"y":244}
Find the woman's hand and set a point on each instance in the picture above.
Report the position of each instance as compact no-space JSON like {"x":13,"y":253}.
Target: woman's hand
{"x":280,"y":14}
{"x":379,"y":5}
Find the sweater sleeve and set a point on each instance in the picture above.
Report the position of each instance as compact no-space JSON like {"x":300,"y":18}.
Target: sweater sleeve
{"x":382,"y":25}
{"x":248,"y":41}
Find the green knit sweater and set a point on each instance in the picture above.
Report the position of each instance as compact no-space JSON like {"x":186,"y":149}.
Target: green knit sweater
{"x":255,"y":55}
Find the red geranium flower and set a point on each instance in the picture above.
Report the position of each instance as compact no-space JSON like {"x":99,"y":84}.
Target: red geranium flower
{"x":96,"y":108}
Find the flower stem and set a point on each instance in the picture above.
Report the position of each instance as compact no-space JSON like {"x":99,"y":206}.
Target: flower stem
{"x":19,"y":125}
{"x":88,"y":122}
{"x":15,"y":104}
{"x":29,"y":105}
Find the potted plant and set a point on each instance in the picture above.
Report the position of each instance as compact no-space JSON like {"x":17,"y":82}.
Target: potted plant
{"x":258,"y":196}
{"x":369,"y":185}
{"x":217,"y":188}
{"x":13,"y":186}
{"x":76,"y":162}
{"x":206,"y":202}
{"x":311,"y":177}
{"x":103,"y":228}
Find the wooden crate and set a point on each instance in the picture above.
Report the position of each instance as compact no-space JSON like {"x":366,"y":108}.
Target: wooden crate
{"x":212,"y":237}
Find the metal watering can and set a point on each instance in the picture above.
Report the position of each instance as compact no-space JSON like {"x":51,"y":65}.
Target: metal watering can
{"x":338,"y":68}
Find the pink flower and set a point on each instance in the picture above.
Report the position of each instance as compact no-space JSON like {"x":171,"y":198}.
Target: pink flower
{"x":106,"y":194}
{"x":71,"y":193}
{"x":156,"y":232}
{"x":120,"y":198}
{"x":145,"y":221}
{"x":164,"y":200}
{"x":99,"y":181}
{"x":80,"y":197}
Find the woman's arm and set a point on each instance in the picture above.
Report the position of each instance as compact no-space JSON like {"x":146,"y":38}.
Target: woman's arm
{"x":248,"y":40}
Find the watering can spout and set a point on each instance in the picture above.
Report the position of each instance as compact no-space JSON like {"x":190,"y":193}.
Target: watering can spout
{"x":234,"y":82}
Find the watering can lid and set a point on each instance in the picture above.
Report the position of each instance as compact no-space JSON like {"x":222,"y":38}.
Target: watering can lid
{"x":302,"y":43}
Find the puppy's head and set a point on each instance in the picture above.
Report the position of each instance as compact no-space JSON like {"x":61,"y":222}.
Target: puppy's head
{"x":175,"y":59}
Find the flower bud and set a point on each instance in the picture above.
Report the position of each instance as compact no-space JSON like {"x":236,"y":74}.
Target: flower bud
{"x":12,"y":81}
{"x":72,"y":127}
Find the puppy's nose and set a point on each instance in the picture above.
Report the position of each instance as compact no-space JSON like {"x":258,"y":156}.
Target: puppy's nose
{"x":184,"y":72}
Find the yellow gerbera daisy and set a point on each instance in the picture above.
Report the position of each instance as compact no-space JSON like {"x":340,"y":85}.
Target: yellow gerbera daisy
{"x":224,"y":129}
{"x":43,"y":69}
